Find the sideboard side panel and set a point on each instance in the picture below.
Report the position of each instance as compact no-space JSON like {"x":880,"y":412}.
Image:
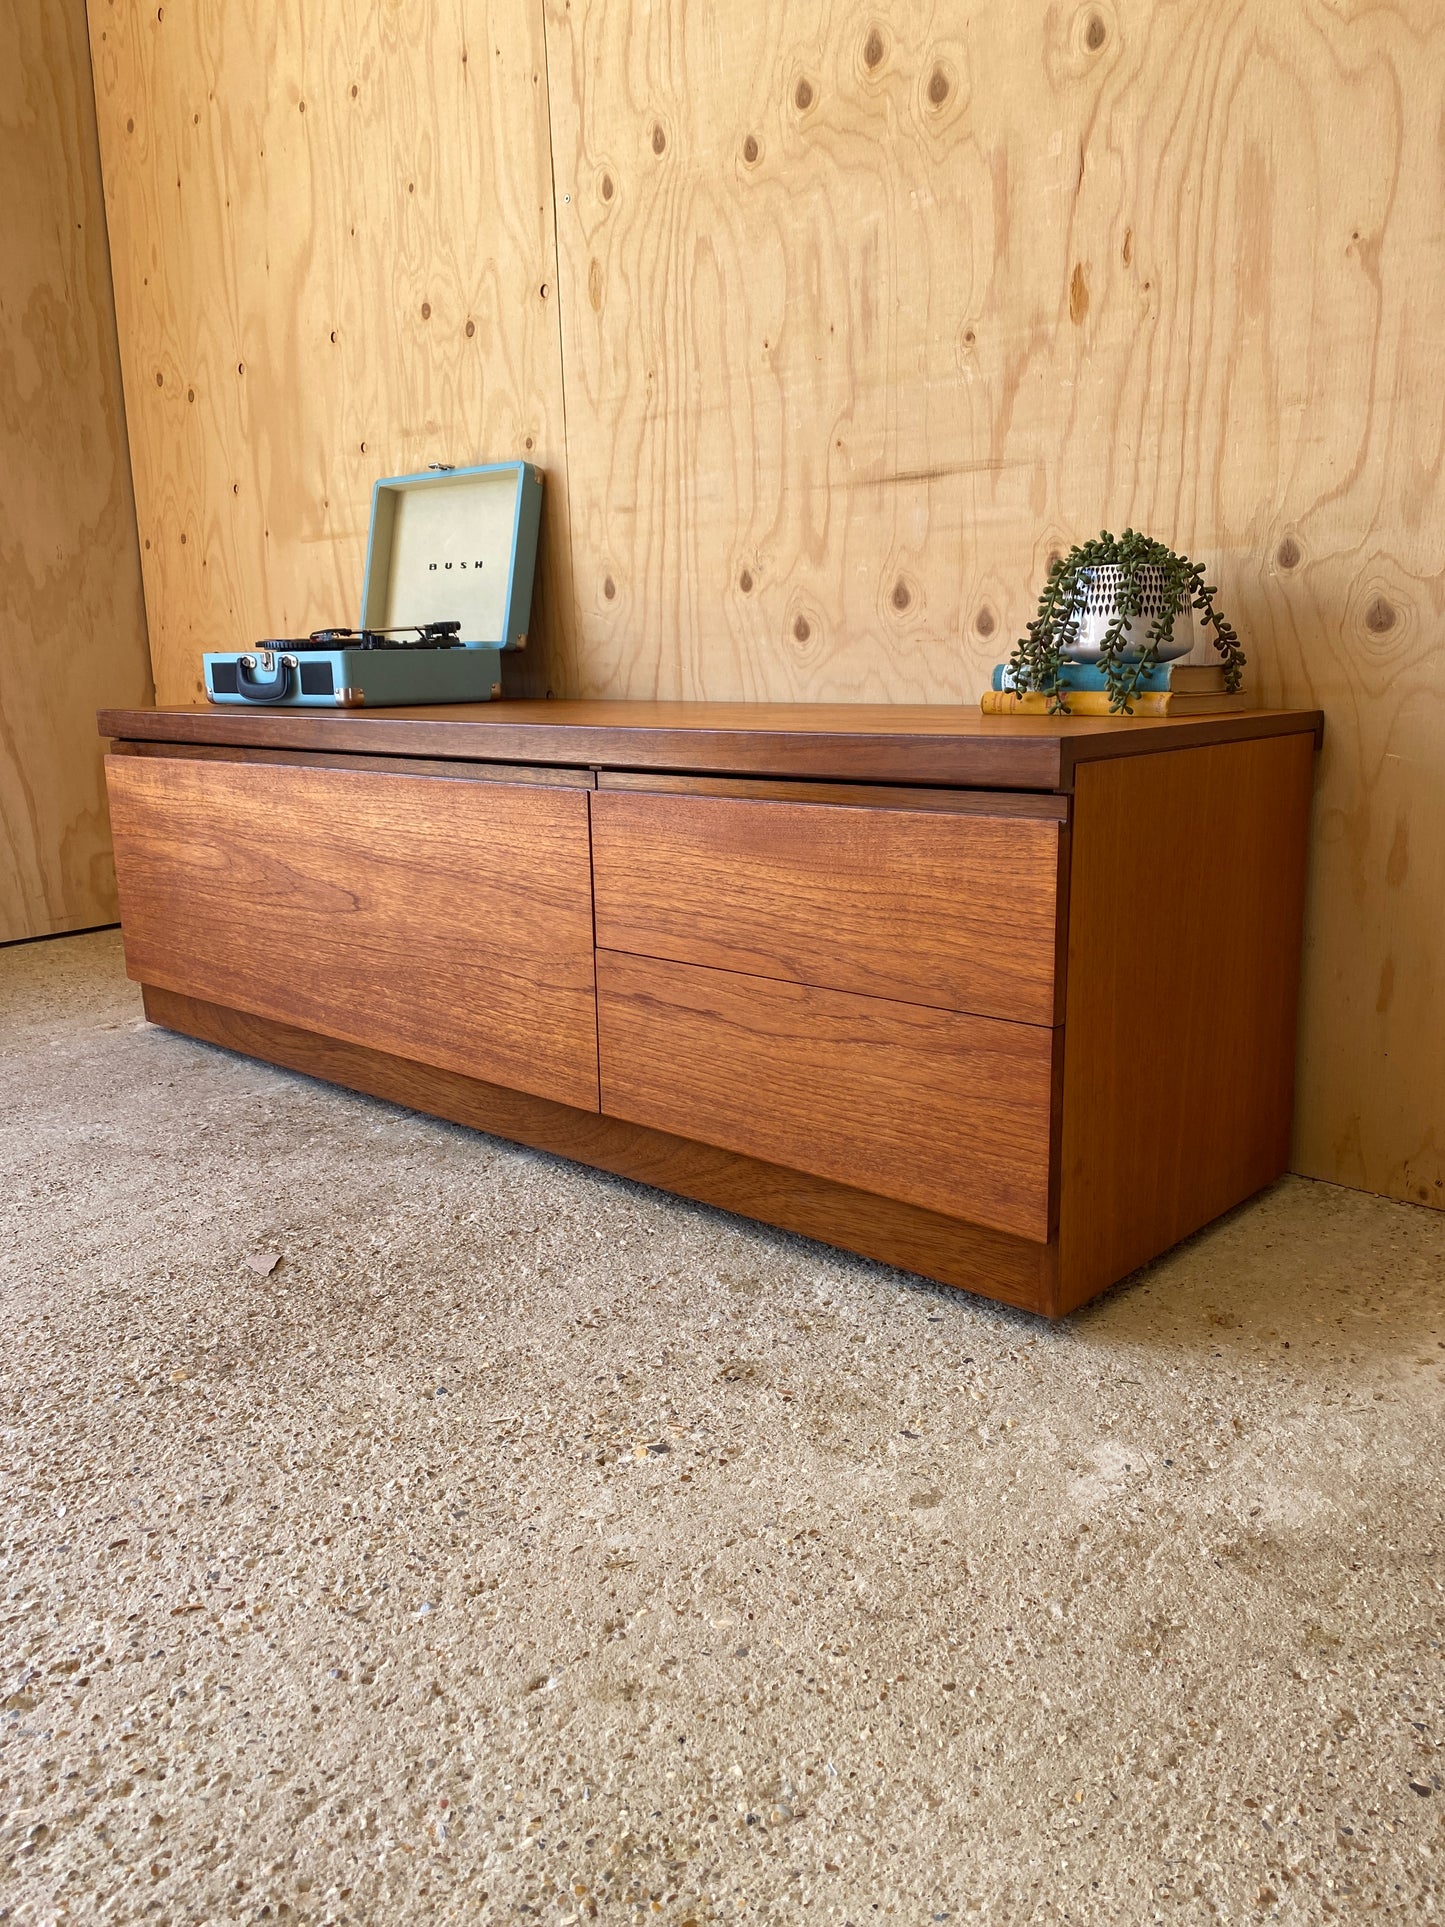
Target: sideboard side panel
{"x":1186,"y":907}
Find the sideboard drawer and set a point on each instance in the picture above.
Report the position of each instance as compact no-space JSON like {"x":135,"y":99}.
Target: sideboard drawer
{"x":927,"y":1106}
{"x":957,"y":910}
{"x":446,"y":921}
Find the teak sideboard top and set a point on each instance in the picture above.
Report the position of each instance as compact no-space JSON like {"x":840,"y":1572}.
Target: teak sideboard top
{"x":838,"y":742}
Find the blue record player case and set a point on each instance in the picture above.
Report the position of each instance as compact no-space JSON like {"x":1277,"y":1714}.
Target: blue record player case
{"x":450,"y":550}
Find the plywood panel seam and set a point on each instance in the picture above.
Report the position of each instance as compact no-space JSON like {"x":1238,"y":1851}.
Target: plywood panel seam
{"x":561,"y":331}
{"x":122,"y":399}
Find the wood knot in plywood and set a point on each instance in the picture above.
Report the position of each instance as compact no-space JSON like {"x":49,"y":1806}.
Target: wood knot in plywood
{"x":1078,"y":294}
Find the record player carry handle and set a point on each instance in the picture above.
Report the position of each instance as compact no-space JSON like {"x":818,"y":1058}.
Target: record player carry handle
{"x":274,"y":689}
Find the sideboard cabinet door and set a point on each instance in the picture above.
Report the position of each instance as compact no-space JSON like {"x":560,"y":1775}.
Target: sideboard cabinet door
{"x":447,"y":921}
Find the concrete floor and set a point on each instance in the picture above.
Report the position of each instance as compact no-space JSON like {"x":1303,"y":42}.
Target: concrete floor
{"x":526,"y":1545}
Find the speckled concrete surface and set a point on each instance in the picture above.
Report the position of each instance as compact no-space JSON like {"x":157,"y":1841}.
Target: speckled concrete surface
{"x":528,"y":1546}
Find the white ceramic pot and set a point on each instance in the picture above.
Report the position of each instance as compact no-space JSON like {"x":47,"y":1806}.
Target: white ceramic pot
{"x":1099,"y":594}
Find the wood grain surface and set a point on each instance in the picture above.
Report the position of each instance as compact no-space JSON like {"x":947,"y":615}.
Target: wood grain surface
{"x":948,"y":1112}
{"x":72,"y":623}
{"x":1186,"y":905}
{"x":334,"y":260}
{"x":989,"y":1262}
{"x":926,"y":907}
{"x":449,"y":922}
{"x":846,"y":742}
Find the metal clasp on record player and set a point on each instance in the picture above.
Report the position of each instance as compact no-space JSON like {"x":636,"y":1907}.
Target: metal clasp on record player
{"x":266,"y":660}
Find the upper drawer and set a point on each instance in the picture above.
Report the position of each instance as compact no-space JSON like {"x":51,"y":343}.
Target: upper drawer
{"x":921,"y":905}
{"x":445,"y":921}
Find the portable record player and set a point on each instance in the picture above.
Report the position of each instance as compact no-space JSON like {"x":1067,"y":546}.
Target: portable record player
{"x":448,"y":588}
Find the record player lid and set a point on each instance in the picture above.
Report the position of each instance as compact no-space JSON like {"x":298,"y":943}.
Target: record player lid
{"x":455,"y":545}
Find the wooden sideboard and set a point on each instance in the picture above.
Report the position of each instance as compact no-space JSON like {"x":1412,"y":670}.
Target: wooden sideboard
{"x":1006,"y":1001}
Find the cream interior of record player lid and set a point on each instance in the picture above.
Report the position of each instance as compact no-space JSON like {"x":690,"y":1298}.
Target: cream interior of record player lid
{"x":441,"y":551}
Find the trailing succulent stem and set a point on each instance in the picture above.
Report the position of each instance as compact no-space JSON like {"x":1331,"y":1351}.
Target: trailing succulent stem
{"x":1039,"y":659}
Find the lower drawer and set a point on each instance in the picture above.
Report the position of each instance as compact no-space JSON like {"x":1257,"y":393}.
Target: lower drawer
{"x":928,"y":1106}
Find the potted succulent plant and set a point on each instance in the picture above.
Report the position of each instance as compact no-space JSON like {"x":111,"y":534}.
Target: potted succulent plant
{"x":1122,"y":603}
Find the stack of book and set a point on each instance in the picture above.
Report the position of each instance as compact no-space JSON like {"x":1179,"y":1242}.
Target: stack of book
{"x":1168,"y":689}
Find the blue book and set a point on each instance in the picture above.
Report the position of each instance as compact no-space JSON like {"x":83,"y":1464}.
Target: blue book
{"x":1088,"y":675}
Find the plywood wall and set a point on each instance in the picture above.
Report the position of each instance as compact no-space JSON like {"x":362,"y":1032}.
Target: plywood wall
{"x":853,"y":315}
{"x":72,"y":623}
{"x":334,"y":260}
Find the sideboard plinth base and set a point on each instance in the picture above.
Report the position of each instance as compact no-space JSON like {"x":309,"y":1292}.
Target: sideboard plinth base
{"x":1014,"y":1271}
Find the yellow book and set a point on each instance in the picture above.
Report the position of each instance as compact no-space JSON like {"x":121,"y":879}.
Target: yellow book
{"x":1095,"y":702}
{"x":1082,"y":702}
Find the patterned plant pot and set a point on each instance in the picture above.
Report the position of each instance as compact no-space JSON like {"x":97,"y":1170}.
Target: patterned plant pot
{"x":1099,"y":592}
